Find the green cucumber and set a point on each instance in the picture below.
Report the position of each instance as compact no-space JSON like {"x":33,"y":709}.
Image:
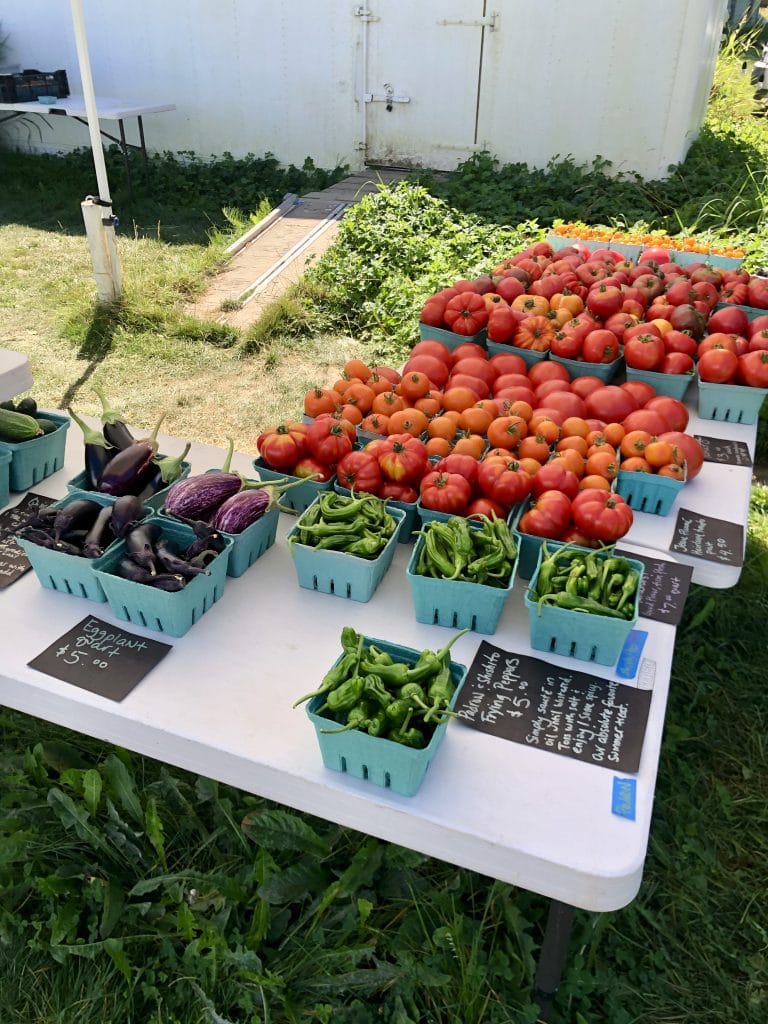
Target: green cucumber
{"x":47,"y":426}
{"x":16,"y":427}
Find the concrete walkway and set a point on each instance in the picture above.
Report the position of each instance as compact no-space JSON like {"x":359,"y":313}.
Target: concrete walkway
{"x":266,"y":266}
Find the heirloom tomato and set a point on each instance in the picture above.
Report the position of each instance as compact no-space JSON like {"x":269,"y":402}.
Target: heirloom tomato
{"x":282,"y":447}
{"x":601,"y":514}
{"x":445,"y":492}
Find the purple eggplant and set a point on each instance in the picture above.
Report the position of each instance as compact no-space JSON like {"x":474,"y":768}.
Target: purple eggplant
{"x":198,"y":495}
{"x":173,"y":563}
{"x":163,"y":581}
{"x":79,"y":513}
{"x":98,"y":451}
{"x":140,"y":545}
{"x":98,"y":537}
{"x":127,"y":512}
{"x":115,"y":431}
{"x":129,"y":471}
{"x":241,"y":510}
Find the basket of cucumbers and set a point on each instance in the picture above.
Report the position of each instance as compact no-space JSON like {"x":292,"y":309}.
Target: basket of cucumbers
{"x":35,"y":440}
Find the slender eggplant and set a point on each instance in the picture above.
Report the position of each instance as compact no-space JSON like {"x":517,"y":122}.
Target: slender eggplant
{"x":98,"y":451}
{"x":173,"y":563}
{"x":127,"y":512}
{"x":37,"y":536}
{"x":211,"y":540}
{"x":115,"y":431}
{"x":140,"y":545}
{"x":78,"y":513}
{"x":129,"y":470}
{"x":167,"y":471}
{"x":165,"y":581}
{"x":204,"y":558}
{"x":99,"y":536}
{"x":168,"y":582}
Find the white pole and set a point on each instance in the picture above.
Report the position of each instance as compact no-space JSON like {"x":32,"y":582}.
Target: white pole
{"x":98,"y":221}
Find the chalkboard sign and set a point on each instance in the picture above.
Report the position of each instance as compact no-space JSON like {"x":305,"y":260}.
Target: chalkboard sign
{"x":100,"y":657}
{"x":559,"y":710}
{"x":715,"y":540}
{"x":727,"y":453}
{"x":13,"y":562}
{"x":664,"y":588}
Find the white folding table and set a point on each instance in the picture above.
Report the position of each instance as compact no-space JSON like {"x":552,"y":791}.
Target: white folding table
{"x":220,"y":705}
{"x":109,"y":109}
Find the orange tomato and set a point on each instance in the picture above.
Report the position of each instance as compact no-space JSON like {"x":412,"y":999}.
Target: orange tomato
{"x":469,"y":444}
{"x":659,"y":453}
{"x":604,"y":464}
{"x":414,"y":385}
{"x":573,"y":426}
{"x":387,"y":403}
{"x":636,"y":464}
{"x":571,"y":303}
{"x":534,"y":446}
{"x":430,"y":404}
{"x":614,"y":432}
{"x":634,"y":443}
{"x":533,"y":305}
{"x":546,"y":426}
{"x":594,"y":482}
{"x":520,"y":408}
{"x":530,"y":466}
{"x":476,"y":420}
{"x":377,"y":382}
{"x":573,"y":460}
{"x":575,"y":442}
{"x":375,"y":422}
{"x":361,"y":395}
{"x":356,"y":368}
{"x":459,"y":398}
{"x":674,"y":470}
{"x":440,"y":446}
{"x":407,"y":421}
{"x":595,"y":448}
{"x":443,"y":426}
{"x":318,"y":400}
{"x":506,"y":431}
{"x":352,"y":413}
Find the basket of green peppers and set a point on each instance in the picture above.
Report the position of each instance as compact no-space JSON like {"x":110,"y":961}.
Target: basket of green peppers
{"x":381,"y":711}
{"x":462,"y":571}
{"x":583,"y":603}
{"x":343,"y":545}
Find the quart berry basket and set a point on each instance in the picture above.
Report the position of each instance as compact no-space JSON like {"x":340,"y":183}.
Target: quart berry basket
{"x":170,"y":613}
{"x":339,"y":573}
{"x":298,"y":498}
{"x":451,"y":339}
{"x":5,"y":477}
{"x":733,"y":403}
{"x":648,"y":492}
{"x":674,"y":385}
{"x":33,"y":461}
{"x":155,"y":501}
{"x":456,"y":604}
{"x":381,"y":761}
{"x":70,"y":574}
{"x":582,"y":635}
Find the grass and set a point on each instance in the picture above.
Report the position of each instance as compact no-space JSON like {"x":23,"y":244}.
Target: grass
{"x":135,"y":892}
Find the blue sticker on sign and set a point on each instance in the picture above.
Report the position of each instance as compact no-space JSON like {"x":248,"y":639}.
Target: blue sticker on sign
{"x":624,"y":797}
{"x":629,"y":658}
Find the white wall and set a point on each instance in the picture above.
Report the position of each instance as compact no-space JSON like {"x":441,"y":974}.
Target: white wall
{"x":628,"y":81}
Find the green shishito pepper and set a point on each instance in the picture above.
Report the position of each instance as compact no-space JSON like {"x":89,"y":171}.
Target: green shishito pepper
{"x":453,"y":550}
{"x":370,"y":691}
{"x":599,"y":583}
{"x":358,"y":525}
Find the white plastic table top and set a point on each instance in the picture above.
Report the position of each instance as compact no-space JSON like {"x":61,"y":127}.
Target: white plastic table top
{"x":110,"y":108}
{"x":220,"y":704}
{"x":15,"y":374}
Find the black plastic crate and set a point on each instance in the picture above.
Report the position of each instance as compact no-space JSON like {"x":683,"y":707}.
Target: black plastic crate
{"x":30,"y":84}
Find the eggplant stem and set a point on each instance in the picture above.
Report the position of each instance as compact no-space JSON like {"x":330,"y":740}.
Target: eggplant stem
{"x":228,"y":460}
{"x":108,"y":414}
{"x":152,"y":439}
{"x":90,"y":434}
{"x":170,"y":466}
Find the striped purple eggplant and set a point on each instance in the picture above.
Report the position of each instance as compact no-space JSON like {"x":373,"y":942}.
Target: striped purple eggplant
{"x":196,"y":496}
{"x":241,"y":510}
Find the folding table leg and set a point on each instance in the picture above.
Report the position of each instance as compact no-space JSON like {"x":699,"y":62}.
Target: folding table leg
{"x":553,"y":956}
{"x":144,"y":150}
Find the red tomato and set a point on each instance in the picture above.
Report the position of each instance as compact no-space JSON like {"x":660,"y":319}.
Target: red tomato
{"x":503,"y":480}
{"x":434,"y":348}
{"x":402,"y":458}
{"x":328,"y":441}
{"x":466,"y":313}
{"x":671,"y":409}
{"x":639,"y":390}
{"x":676,"y":341}
{"x":758,"y":341}
{"x":555,"y":476}
{"x":308,"y":467}
{"x":549,"y":515}
{"x":600,"y":346}
{"x":757,"y":292}
{"x":718,"y":340}
{"x":398,"y":492}
{"x":474,"y":367}
{"x":728,"y":320}
{"x":566,"y":403}
{"x":567,"y":346}
{"x":718,"y":366}
{"x":434,"y":368}
{"x":485,"y":507}
{"x":583,"y":386}
{"x":282,"y":447}
{"x":646,"y":419}
{"x":676,"y":362}
{"x":610,"y":404}
{"x":604,"y":301}
{"x":689,"y":447}
{"x":549,"y":387}
{"x":509,"y":362}
{"x":601,"y":514}
{"x":463,"y":380}
{"x":360,"y":471}
{"x":644,"y":351}
{"x":468,"y":350}
{"x":753,"y":367}
{"x":547,"y":370}
{"x":445,"y":492}
{"x":464,"y":465}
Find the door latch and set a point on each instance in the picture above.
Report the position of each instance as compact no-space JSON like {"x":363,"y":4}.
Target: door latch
{"x":388,"y":97}
{"x":491,"y":22}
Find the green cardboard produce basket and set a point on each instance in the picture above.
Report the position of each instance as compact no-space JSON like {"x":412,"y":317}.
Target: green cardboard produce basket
{"x":341,"y":574}
{"x":674,"y":385}
{"x":581,"y":368}
{"x":299,"y":498}
{"x":33,"y":461}
{"x":582,"y":635}
{"x":451,"y":339}
{"x":733,"y":403}
{"x":171,"y":613}
{"x":155,"y":501}
{"x":648,"y":492}
{"x":381,"y":761}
